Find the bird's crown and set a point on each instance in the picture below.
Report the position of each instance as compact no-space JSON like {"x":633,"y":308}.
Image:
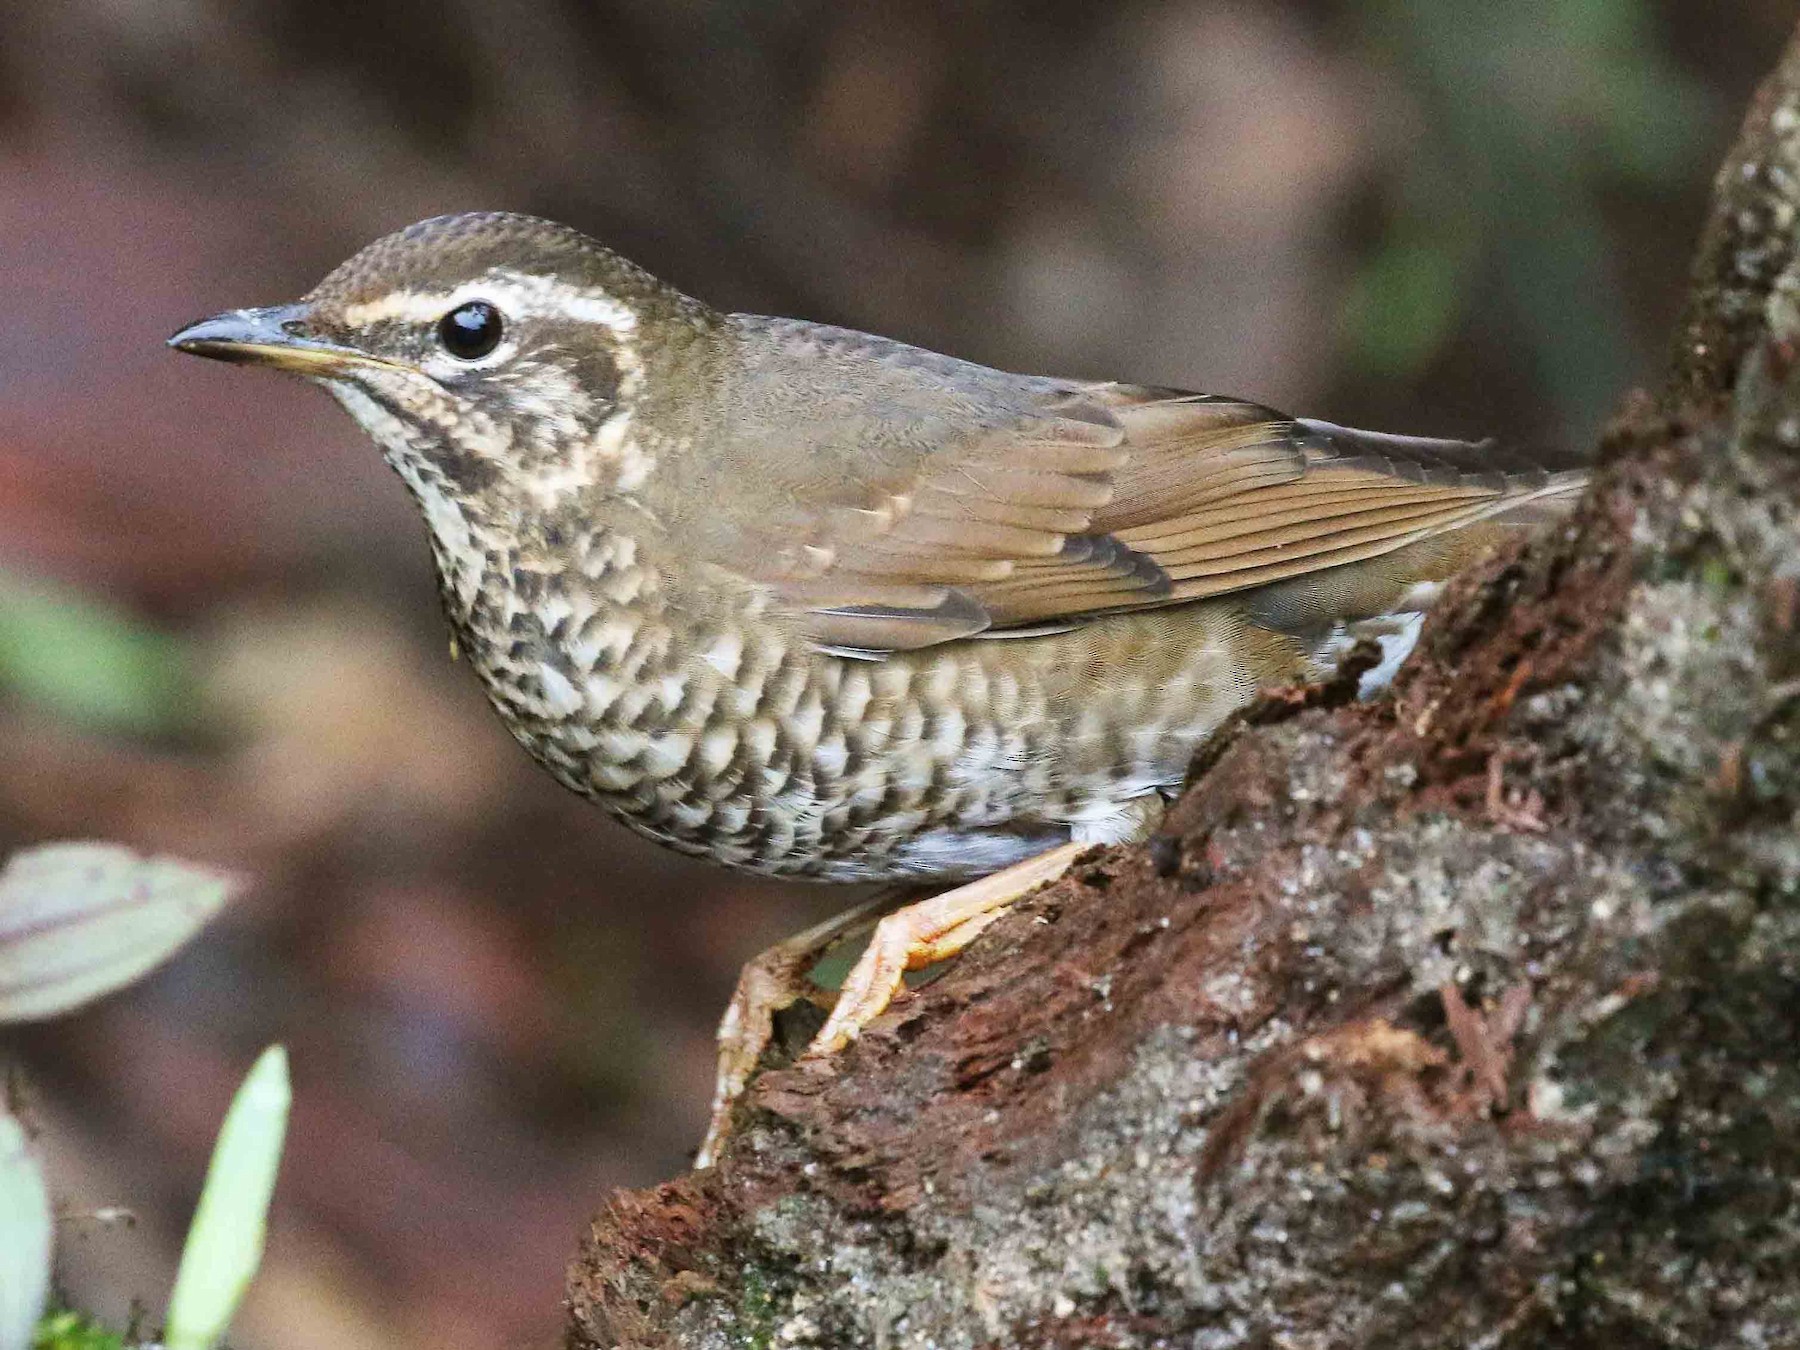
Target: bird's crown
{"x":416,"y":268}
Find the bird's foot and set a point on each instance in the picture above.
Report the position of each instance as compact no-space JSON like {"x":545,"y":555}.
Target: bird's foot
{"x":770,"y":981}
{"x":927,"y":932}
{"x":919,"y":935}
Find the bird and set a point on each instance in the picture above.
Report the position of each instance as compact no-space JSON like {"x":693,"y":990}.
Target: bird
{"x":814,"y":603}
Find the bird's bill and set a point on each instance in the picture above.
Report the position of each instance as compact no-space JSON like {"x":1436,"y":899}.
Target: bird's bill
{"x":276,"y":336}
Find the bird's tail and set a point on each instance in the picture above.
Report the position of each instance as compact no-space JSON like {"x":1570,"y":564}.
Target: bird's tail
{"x":1530,"y":488}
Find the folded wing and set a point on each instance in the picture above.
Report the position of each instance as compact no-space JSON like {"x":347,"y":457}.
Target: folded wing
{"x":1109,"y":498}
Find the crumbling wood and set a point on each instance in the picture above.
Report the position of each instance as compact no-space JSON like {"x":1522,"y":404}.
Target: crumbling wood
{"x":1462,"y":1018}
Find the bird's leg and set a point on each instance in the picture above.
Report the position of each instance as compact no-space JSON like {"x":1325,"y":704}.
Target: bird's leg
{"x":929,"y":931}
{"x":770,"y":981}
{"x":918,"y":935}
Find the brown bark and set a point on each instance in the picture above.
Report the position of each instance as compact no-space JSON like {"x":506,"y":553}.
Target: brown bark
{"x":1467,"y":1017}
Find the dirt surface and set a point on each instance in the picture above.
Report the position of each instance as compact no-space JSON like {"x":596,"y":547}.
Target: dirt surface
{"x":1465,"y":1017}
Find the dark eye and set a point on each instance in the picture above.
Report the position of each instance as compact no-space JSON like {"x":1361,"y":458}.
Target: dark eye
{"x":469,"y":332}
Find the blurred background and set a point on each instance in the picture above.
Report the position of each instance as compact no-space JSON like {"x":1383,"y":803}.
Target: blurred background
{"x":219,"y":637}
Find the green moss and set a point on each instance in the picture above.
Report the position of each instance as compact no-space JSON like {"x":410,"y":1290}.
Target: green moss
{"x":66,"y":1330}
{"x":756,"y":1313}
{"x":1717,"y":574}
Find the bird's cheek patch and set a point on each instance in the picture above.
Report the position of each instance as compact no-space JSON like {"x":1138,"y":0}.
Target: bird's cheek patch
{"x":596,"y":371}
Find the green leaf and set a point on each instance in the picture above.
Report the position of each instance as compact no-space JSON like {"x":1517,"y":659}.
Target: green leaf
{"x":25,"y":1231}
{"x":225,"y":1243}
{"x":88,"y":662}
{"x":79,"y":920}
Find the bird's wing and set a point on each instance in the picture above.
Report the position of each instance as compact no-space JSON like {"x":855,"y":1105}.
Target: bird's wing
{"x":1107,"y":498}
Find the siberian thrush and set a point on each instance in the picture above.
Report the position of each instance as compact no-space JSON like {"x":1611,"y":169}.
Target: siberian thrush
{"x":814,"y":603}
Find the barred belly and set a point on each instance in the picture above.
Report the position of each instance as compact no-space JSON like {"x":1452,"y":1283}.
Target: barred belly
{"x":754,"y":749}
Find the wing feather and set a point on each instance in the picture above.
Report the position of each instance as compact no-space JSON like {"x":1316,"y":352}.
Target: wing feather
{"x":1099,"y":499}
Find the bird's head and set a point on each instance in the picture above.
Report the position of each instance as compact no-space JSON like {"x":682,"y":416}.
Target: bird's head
{"x":497,"y":359}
